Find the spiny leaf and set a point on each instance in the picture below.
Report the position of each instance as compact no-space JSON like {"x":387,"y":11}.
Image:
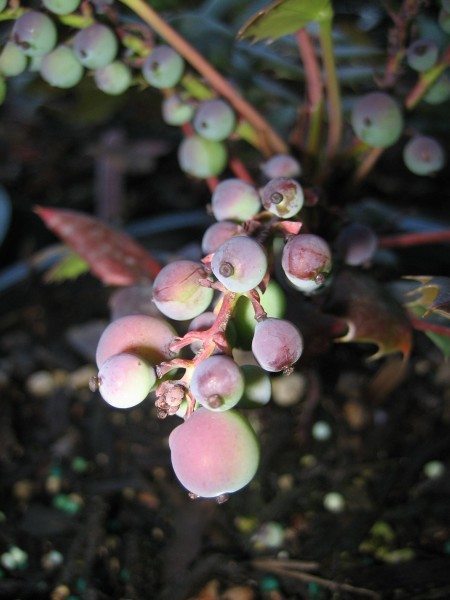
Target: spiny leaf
{"x":69,"y":266}
{"x":372,"y":314}
{"x":438,"y":339}
{"x":433,"y":295}
{"x":113,"y":256}
{"x":283,"y":17}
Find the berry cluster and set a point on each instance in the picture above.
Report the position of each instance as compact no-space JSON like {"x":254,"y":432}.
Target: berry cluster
{"x":140,"y":353}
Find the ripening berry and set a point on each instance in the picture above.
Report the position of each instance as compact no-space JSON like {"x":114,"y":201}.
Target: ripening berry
{"x":281,"y":165}
{"x":12,"y":60}
{"x":176,"y":111}
{"x":217,"y":234}
{"x":61,"y":7}
{"x":177,"y":291}
{"x":163,"y":68}
{"x":34,"y":33}
{"x":142,"y":335}
{"x":439,"y":92}
{"x":114,"y":79}
{"x":377,"y":120}
{"x":283,"y":197}
{"x":202,"y":158}
{"x":61,"y":68}
{"x":96,"y":46}
{"x":356,"y":244}
{"x":306,"y":261}
{"x":235,"y":200}
{"x":125,"y":380}
{"x":257,"y":387}
{"x":214,"y":120}
{"x":422,"y":55}
{"x":217,"y":383}
{"x":423,"y":155}
{"x":240,"y":263}
{"x":277,"y":344}
{"x":214,"y":453}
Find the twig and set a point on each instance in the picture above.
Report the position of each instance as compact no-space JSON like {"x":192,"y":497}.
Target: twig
{"x":314,"y":89}
{"x":271,"y":565}
{"x":427,"y":326}
{"x":270,"y":141}
{"x":240,"y":170}
{"x":405,"y":240}
{"x":333,"y":89}
{"x":426,"y":80}
{"x":367,"y":164}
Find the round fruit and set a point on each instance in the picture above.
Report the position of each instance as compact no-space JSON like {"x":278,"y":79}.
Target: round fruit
{"x":142,"y":335}
{"x":306,"y":261}
{"x":176,"y":111}
{"x":163,"y":68}
{"x":96,"y":46}
{"x":422,"y":55}
{"x":283,"y":197}
{"x":202,"y":158}
{"x":34,"y":33}
{"x":214,"y":453}
{"x":61,"y":7}
{"x":125,"y":380}
{"x":217,"y":383}
{"x":423,"y":155}
{"x":114,"y":79}
{"x":217,"y":234}
{"x":281,"y":165}
{"x":177,"y":291}
{"x":257,"y":387}
{"x":439,"y":92}
{"x":356,"y":244}
{"x":235,"y":200}
{"x":277,"y":344}
{"x":61,"y":68}
{"x":214,"y":120}
{"x":240,"y":263}
{"x":12,"y":60}
{"x":377,"y":120}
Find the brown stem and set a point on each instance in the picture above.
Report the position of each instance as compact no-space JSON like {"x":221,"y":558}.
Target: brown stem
{"x":240,"y":170}
{"x":414,"y":239}
{"x":367,"y":164}
{"x":422,"y":325}
{"x":314,"y":88}
{"x":270,"y":141}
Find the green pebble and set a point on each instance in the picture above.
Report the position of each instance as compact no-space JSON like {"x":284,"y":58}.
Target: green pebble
{"x":269,"y":584}
{"x":79,"y":464}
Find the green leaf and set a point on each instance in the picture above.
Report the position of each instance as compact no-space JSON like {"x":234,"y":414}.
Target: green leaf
{"x":441,"y":341}
{"x":283,"y":17}
{"x":70,"y":266}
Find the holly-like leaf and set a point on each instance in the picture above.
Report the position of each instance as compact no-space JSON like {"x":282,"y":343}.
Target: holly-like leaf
{"x":69,"y":266}
{"x":371,"y":313}
{"x":433,"y":295}
{"x":283,"y":17}
{"x":113,"y":257}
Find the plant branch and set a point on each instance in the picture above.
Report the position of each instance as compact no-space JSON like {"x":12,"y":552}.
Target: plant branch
{"x":367,"y":164}
{"x":333,"y":89}
{"x":415,"y":239}
{"x":314,"y":89}
{"x":425,"y":81}
{"x":270,"y":141}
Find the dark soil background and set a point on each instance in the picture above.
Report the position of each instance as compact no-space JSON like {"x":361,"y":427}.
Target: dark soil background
{"x":89,"y":506}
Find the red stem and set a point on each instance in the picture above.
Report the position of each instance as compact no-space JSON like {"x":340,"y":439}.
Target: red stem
{"x":240,"y":170}
{"x":312,"y":70}
{"x":422,"y":325}
{"x":414,"y":239}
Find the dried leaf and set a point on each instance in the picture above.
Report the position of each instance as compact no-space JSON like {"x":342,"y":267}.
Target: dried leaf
{"x":283,"y":17}
{"x":371,"y":313}
{"x":113,"y":256}
{"x":433,"y":295}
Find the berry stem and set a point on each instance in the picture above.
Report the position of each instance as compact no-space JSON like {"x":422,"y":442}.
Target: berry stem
{"x":314,"y":89}
{"x":426,"y":80}
{"x":367,"y":164}
{"x":422,"y":325}
{"x":414,"y":239}
{"x":270,"y":141}
{"x":240,"y":170}
{"x":333,"y":89}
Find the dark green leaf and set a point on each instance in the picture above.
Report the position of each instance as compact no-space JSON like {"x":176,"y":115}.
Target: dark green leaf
{"x":283,"y":17}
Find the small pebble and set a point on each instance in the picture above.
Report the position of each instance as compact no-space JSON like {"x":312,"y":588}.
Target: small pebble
{"x":52,"y":560}
{"x":334,"y":502}
{"x":321,"y":431}
{"x":40,"y":384}
{"x":268,"y":536}
{"x":288,"y":390}
{"x":434,"y":469}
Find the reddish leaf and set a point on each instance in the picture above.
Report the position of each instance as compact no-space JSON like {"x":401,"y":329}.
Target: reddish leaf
{"x":433,"y":295}
{"x":371,"y":313}
{"x":113,"y":256}
{"x":289,"y":227}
